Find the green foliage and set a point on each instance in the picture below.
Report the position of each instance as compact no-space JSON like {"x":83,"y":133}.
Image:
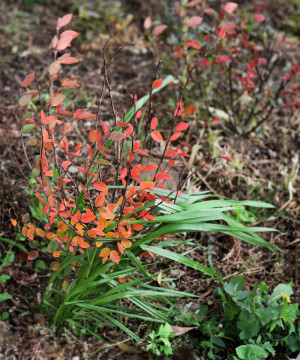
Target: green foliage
{"x":159,"y":342}
{"x":8,"y":258}
{"x":256,"y":324}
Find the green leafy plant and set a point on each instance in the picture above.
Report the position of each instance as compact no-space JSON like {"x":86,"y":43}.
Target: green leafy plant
{"x":103,"y":205}
{"x":256,"y":324}
{"x":264,"y":321}
{"x":159,"y":342}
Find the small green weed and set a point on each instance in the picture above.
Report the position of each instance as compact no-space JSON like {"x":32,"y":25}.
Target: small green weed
{"x":159,"y":342}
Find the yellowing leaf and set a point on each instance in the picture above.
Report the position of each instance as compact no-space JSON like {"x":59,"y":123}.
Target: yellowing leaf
{"x":105,"y":252}
{"x":40,"y":232}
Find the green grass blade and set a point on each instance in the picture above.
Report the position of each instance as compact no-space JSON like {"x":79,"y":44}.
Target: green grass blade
{"x":179,"y":258}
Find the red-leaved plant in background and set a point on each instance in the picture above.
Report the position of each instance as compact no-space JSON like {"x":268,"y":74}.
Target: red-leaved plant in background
{"x":100,"y":217}
{"x":241,"y":74}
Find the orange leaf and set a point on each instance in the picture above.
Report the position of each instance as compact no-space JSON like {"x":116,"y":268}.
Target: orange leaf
{"x":120,"y":247}
{"x":40,"y":232}
{"x":156,"y":136}
{"x":105,"y":128}
{"x":28,"y":80}
{"x":70,"y":83}
{"x":157,"y":84}
{"x":100,"y":186}
{"x":126,"y":243}
{"x":175,"y":136}
{"x":105,"y":252}
{"x":87,"y":218}
{"x":147,"y":185}
{"x":93,"y":136}
{"x":83,"y":244}
{"x":190,"y":110}
{"x":114,"y":256}
{"x":149,"y":167}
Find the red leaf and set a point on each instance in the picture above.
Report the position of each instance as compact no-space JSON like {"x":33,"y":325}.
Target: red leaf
{"x":181,"y":126}
{"x":72,"y":33}
{"x":120,"y":248}
{"x":149,"y":167}
{"x":66,"y":164}
{"x":64,"y":21}
{"x":100,"y":186}
{"x":57,"y":99}
{"x":138,"y":114}
{"x":64,"y":42}
{"x":230,"y":7}
{"x":178,"y":112}
{"x":137,"y":145}
{"x":70,"y":83}
{"x":84,"y":115}
{"x":105,"y":128}
{"x":259,"y":17}
{"x":175,"y":136}
{"x":209,"y":11}
{"x":171,"y":153}
{"x":33,"y":255}
{"x":87,"y":218}
{"x":157,"y":84}
{"x":123,"y":173}
{"x":117,"y":136}
{"x":147,"y":185}
{"x":93,"y":135}
{"x":114,"y":256}
{"x":129,"y":131}
{"x":226,"y":158}
{"x":28,"y":80}
{"x":159,"y":29}
{"x":141,"y":152}
{"x":224,"y":58}
{"x":154,"y":123}
{"x":204,"y":63}
{"x":221,"y":34}
{"x":194,"y":21}
{"x":156,"y":136}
